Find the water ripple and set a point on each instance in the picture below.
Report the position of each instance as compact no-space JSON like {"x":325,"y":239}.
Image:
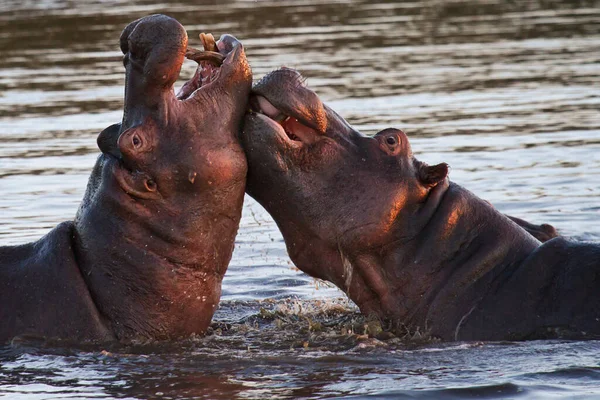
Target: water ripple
{"x":506,"y":92}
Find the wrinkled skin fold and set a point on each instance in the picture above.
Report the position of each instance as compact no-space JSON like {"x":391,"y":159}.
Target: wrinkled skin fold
{"x":146,"y":253}
{"x":401,"y":240}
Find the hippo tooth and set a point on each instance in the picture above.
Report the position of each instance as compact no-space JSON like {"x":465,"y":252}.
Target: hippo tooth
{"x":208,"y":41}
{"x":281,"y":118}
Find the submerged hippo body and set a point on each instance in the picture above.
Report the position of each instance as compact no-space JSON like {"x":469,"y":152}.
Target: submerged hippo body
{"x":402,"y":241}
{"x":146,"y":254}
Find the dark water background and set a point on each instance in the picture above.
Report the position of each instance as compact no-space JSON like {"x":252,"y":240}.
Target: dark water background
{"x":507,"y":92}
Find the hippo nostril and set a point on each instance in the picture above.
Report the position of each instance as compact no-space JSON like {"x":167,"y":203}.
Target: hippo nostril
{"x":150,"y":185}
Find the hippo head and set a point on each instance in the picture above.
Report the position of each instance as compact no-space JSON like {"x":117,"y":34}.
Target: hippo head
{"x":169,"y":145}
{"x":309,"y":166}
{"x":334,"y":192}
{"x":164,"y":200}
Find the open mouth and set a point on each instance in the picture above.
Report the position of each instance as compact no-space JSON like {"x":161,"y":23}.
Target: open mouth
{"x":293,"y":129}
{"x":209,"y":62}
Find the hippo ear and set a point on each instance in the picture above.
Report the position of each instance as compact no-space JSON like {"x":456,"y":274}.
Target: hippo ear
{"x":432,"y":175}
{"x":107,"y":139}
{"x":112,"y":130}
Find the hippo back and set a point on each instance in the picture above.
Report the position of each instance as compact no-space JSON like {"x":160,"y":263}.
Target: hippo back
{"x":43,"y":293}
{"x":554,"y":293}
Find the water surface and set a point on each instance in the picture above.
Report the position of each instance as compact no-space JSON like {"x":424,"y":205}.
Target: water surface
{"x":506,"y":92}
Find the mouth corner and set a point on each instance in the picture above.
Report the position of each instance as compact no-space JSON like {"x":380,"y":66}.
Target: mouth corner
{"x":291,"y":129}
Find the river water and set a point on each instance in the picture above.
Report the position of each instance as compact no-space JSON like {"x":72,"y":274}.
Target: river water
{"x":506,"y":92}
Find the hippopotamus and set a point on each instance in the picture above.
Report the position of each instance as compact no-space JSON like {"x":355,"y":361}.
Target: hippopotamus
{"x":146,"y":253}
{"x":406,"y":244}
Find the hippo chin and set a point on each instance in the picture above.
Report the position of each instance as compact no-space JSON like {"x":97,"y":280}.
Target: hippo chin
{"x":398,"y":238}
{"x":146,"y":254}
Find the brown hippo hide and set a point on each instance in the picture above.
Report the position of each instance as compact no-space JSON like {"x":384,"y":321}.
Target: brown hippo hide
{"x":398,"y":238}
{"x":146,"y":254}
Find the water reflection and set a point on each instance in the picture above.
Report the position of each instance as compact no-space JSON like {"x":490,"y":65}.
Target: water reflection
{"x":506,"y":92}
{"x":537,"y":369}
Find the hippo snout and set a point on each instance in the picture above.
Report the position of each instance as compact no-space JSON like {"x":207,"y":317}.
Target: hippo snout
{"x":155,"y":46}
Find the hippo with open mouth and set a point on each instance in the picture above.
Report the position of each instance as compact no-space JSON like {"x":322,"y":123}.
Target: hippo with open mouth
{"x":146,"y":254}
{"x":401,"y":240}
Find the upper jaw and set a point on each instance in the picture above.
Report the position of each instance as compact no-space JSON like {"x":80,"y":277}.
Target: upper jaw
{"x":154,"y":49}
{"x":290,"y":123}
{"x":286,"y":91}
{"x":142,"y":94}
{"x":226,"y":55}
{"x":294,"y":112}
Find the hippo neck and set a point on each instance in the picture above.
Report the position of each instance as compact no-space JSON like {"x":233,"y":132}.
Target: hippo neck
{"x":150,"y":279}
{"x":454,"y":261}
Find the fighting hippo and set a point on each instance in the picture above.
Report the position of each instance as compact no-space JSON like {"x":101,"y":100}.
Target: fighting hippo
{"x":151,"y":241}
{"x":401,"y":240}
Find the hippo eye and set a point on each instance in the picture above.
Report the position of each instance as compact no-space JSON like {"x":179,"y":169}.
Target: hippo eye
{"x":391,"y":140}
{"x":150,"y":185}
{"x":137,"y":142}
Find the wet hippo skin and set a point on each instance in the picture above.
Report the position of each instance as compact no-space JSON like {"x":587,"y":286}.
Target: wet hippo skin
{"x":146,"y":253}
{"x":401,"y":240}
